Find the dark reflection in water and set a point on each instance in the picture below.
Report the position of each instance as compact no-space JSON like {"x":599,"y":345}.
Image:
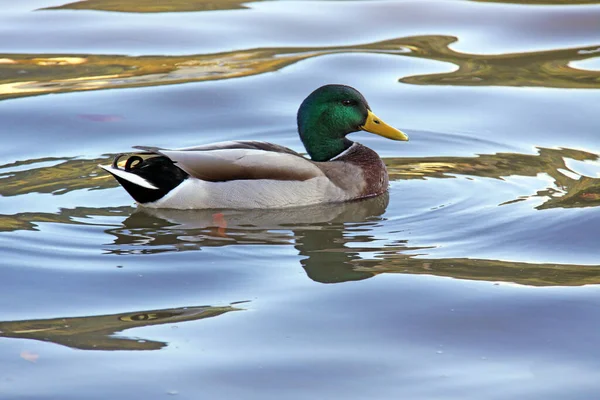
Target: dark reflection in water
{"x":332,"y":239}
{"x":34,"y":74}
{"x":320,"y":233}
{"x":97,"y":332}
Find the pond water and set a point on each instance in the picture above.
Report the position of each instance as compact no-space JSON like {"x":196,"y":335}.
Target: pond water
{"x":476,"y":277}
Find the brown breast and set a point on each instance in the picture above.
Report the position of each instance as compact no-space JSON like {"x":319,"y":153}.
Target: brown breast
{"x":364,"y":162}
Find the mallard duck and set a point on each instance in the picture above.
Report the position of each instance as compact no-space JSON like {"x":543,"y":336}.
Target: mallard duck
{"x":253,"y":174}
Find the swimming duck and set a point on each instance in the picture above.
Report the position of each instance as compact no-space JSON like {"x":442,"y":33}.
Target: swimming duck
{"x":253,"y":174}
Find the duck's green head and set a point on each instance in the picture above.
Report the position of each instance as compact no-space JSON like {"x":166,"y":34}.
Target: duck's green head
{"x":330,"y":113}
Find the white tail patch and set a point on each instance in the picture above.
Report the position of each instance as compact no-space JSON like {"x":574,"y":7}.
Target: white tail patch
{"x":128,"y":176}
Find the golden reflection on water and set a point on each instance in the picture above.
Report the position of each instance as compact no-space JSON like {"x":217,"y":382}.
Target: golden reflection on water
{"x":32,"y":74}
{"x":30,"y":220}
{"x":98,"y":332}
{"x":541,"y":68}
{"x":570,"y":189}
{"x":64,"y":176}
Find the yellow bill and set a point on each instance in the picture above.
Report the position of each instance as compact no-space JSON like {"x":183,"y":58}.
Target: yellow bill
{"x":378,"y":127}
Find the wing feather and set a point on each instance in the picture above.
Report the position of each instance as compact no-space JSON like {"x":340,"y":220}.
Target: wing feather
{"x":227,"y":161}
{"x":242,"y":144}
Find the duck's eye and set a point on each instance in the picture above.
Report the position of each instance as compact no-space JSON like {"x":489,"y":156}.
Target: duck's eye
{"x":348,"y":102}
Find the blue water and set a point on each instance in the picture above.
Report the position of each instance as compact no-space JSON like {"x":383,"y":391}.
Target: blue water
{"x":476,"y":277}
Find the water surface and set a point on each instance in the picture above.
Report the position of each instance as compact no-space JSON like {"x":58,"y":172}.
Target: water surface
{"x":476,"y":277}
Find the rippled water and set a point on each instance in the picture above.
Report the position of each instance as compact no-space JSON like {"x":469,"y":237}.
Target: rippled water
{"x":475,"y":278}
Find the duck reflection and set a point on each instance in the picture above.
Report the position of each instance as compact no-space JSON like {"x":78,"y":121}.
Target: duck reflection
{"x":320,"y":233}
{"x":97,"y":332}
{"x":332,"y":240}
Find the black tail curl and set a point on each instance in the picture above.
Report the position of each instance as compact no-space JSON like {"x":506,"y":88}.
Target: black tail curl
{"x":160,"y":171}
